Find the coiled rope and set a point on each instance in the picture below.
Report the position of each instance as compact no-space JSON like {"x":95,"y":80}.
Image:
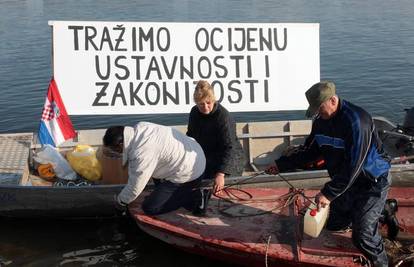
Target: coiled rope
{"x":232,"y":195}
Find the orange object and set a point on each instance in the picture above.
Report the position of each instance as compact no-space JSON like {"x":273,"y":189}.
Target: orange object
{"x":315,"y":165}
{"x":320,"y":163}
{"x":46,"y":171}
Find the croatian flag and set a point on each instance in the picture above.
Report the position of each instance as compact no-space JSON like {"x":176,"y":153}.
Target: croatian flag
{"x":55,"y":125}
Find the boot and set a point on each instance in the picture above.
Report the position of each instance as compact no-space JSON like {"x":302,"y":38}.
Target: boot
{"x":202,"y":198}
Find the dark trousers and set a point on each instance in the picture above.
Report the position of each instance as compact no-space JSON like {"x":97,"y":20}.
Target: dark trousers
{"x":168,"y":196}
{"x":362,"y":206}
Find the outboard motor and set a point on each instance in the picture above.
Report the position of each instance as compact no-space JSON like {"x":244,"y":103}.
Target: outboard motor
{"x":406,"y":143}
{"x":408,"y":125}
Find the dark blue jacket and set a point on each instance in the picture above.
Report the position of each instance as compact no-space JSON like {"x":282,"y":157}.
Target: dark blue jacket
{"x":350,"y":146}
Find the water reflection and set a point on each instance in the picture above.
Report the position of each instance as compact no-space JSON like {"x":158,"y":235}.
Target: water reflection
{"x":91,"y":242}
{"x":103,"y":254}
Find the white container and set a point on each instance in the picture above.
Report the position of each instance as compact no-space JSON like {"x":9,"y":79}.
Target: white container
{"x":315,"y":220}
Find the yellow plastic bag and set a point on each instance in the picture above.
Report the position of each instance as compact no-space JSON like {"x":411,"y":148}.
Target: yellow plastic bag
{"x":83,"y":160}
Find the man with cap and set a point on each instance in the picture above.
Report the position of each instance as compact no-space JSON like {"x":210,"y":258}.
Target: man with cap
{"x":345,"y":136}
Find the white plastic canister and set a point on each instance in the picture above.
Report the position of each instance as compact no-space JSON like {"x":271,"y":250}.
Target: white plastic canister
{"x":315,"y":220}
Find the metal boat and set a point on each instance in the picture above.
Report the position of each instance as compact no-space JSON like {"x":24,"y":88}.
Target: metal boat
{"x":24,"y":194}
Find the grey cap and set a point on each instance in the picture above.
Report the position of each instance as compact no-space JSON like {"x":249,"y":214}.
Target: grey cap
{"x":317,"y":94}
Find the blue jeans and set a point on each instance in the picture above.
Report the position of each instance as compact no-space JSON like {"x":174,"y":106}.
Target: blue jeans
{"x":362,"y":206}
{"x":168,"y":196}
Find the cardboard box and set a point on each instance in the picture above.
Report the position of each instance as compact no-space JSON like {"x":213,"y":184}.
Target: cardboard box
{"x":112,"y":170}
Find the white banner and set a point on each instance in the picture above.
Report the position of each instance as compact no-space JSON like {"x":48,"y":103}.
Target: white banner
{"x":152,"y":67}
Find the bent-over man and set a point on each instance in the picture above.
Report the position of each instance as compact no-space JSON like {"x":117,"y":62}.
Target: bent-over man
{"x":174,"y":161}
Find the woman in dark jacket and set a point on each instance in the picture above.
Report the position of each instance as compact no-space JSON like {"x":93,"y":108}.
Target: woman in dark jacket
{"x":212,"y":126}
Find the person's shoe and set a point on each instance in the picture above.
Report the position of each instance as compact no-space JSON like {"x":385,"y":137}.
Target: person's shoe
{"x":201,"y":202}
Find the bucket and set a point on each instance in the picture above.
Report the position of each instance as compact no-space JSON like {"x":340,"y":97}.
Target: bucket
{"x":314,"y":220}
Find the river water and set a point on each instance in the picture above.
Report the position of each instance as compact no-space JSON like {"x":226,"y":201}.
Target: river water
{"x":366,"y":47}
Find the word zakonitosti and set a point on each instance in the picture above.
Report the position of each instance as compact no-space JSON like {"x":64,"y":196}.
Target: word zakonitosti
{"x":178,"y":92}
{"x":146,"y":70}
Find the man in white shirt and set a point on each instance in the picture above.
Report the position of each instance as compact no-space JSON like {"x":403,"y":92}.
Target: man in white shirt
{"x":175,"y":161}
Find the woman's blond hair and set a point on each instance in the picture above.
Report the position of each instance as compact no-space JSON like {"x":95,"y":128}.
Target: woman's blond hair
{"x":204,"y":91}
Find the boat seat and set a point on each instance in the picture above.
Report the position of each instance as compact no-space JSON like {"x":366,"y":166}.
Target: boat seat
{"x":258,"y":137}
{"x":13,"y":158}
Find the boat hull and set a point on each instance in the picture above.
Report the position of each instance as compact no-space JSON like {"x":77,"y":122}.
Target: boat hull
{"x":23,"y":194}
{"x":97,"y":200}
{"x":274,"y":238}
{"x":67,"y":202}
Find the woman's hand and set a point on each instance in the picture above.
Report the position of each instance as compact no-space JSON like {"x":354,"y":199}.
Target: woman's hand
{"x":218,"y":183}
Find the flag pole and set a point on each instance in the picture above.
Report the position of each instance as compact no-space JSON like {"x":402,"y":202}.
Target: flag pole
{"x":36,"y":139}
{"x":51,"y":48}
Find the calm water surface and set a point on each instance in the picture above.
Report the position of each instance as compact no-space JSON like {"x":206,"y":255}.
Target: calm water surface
{"x":97,"y":242}
{"x":366,"y":47}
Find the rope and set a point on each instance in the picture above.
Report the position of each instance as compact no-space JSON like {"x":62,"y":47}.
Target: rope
{"x":406,"y":254}
{"x":233,"y":198}
{"x":405,"y":259}
{"x":244,"y":180}
{"x":267,"y":249}
{"x":289,"y":199}
{"x":293,"y":188}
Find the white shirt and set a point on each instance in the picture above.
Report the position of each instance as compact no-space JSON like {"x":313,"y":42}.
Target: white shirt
{"x":160,"y":152}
